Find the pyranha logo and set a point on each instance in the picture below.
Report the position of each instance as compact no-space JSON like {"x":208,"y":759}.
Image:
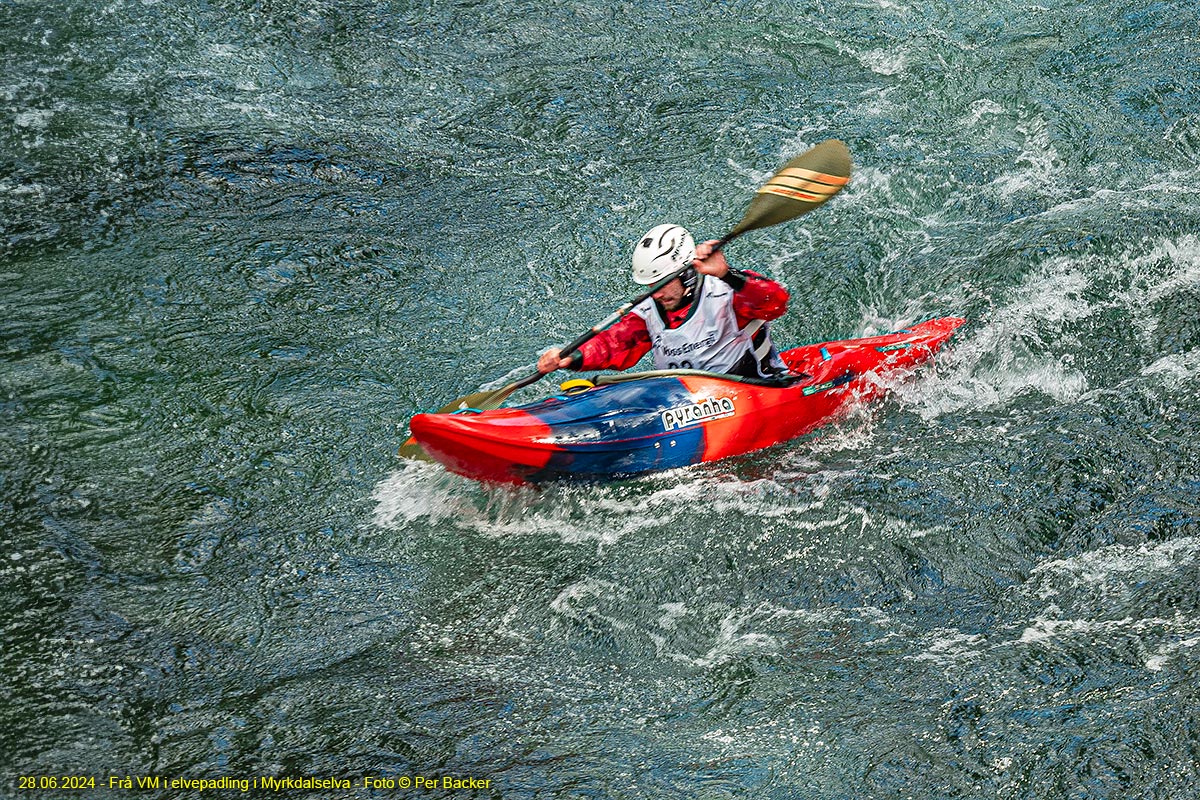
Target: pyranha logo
{"x":712,"y":408}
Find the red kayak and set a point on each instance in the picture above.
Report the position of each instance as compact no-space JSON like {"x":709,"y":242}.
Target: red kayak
{"x":633,"y":423}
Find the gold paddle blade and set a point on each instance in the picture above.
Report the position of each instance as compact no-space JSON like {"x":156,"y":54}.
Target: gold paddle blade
{"x":802,"y":184}
{"x":411,"y":449}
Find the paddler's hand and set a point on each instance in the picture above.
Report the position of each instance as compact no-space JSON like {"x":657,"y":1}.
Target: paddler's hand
{"x":708,"y":262}
{"x":552,"y":360}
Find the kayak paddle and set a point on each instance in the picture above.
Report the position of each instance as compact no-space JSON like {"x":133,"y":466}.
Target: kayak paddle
{"x":802,"y":184}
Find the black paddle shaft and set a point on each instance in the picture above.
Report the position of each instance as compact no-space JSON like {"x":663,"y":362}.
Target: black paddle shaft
{"x":592,"y":332}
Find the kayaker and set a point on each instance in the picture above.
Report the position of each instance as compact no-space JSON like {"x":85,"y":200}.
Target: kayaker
{"x":711,"y":318}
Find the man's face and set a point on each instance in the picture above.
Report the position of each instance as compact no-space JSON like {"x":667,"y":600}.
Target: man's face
{"x":671,"y":296}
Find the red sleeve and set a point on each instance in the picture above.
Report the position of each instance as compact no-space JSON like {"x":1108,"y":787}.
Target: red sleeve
{"x":618,"y":347}
{"x":761,"y":298}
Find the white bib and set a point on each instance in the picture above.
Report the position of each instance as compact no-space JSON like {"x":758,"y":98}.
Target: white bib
{"x":709,"y":338}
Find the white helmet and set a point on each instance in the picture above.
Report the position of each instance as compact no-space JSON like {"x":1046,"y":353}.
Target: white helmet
{"x":663,"y":250}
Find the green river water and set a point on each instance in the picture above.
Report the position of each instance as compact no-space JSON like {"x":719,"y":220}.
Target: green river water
{"x":242,"y":242}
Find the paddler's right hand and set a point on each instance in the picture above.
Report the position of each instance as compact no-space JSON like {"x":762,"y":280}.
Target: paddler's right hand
{"x":552,"y":360}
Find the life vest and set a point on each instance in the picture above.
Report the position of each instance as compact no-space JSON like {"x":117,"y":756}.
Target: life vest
{"x":709,"y":338}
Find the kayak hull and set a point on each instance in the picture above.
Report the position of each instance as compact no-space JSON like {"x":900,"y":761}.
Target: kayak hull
{"x":645,"y":422}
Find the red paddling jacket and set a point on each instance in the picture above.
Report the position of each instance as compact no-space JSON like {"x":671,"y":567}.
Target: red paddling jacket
{"x":721,"y":330}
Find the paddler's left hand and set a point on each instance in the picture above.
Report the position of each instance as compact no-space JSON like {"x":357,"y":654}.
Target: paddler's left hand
{"x":707,"y":262}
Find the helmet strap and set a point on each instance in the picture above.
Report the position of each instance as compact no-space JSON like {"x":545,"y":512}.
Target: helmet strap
{"x":689,"y":277}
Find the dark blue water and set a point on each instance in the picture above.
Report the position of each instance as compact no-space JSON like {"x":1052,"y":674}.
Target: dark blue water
{"x":241,"y":243}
